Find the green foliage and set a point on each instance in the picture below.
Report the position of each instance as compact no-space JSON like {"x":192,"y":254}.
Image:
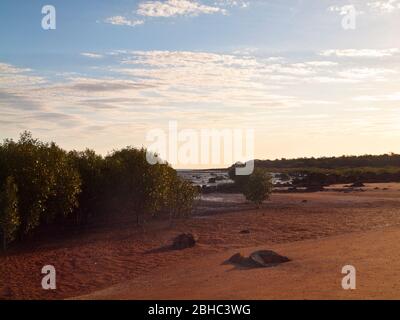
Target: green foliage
{"x":324,"y":177}
{"x":371,"y":161}
{"x":66,"y":184}
{"x":181,"y":197}
{"x":51,"y":186}
{"x":257,"y":186}
{"x":144,"y":190}
{"x":47,"y":184}
{"x":330,"y":170}
{"x":9,"y":218}
{"x":136,"y":183}
{"x":90,"y":167}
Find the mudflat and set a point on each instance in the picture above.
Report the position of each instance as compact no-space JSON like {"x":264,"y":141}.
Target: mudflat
{"x":320,"y":232}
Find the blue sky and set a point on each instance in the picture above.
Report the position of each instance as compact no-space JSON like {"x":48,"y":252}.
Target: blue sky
{"x":112,"y":70}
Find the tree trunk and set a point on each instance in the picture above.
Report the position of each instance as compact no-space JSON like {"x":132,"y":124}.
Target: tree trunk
{"x":4,"y":240}
{"x":171,"y":215}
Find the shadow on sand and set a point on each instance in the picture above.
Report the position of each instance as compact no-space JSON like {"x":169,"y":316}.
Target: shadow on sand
{"x":162,"y":249}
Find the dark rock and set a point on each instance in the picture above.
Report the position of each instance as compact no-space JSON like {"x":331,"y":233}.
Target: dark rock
{"x":268,"y":258}
{"x":183,"y":241}
{"x":258,"y":259}
{"x":236,"y":258}
{"x":244,"y":231}
{"x":304,"y":201}
{"x":241,"y":261}
{"x":357,"y":184}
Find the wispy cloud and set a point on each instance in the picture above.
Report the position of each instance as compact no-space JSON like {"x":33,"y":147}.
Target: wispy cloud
{"x":123,"y":21}
{"x":366,"y":53}
{"x":374,"y":74}
{"x":137,"y":90}
{"x":92,"y":55}
{"x":174,"y":8}
{"x":379,"y":98}
{"x":171,"y":8}
{"x":233,"y":3}
{"x":10,"y":76}
{"x":385,"y":6}
{"x":361,"y":7}
{"x":322,"y":63}
{"x":343,"y":10}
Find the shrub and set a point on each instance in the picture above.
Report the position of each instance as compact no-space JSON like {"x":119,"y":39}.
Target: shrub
{"x":140,"y":187}
{"x":66,"y":184}
{"x":181,"y":198}
{"x":41,"y":183}
{"x":47,"y":184}
{"x":257,"y":187}
{"x":9,"y":218}
{"x":90,"y":167}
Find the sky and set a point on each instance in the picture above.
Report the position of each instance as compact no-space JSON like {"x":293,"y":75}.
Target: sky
{"x":310,"y":77}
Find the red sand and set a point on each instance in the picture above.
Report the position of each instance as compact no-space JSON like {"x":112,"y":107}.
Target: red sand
{"x":116,"y":255}
{"x":313,"y":273}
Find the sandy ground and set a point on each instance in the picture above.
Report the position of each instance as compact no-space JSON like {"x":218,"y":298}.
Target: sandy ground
{"x":321,"y":235}
{"x":313,"y":273}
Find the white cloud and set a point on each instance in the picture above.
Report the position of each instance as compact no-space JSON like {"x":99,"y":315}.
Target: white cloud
{"x":8,"y":68}
{"x":385,"y":6}
{"x":322,"y":63}
{"x":376,"y":74}
{"x":11,"y":76}
{"x":171,"y":8}
{"x":379,"y":98}
{"x":344,"y":10}
{"x":92,"y":55}
{"x":366,"y":53}
{"x":141,"y":89}
{"x":174,"y":8}
{"x":186,"y":58}
{"x":233,"y":3}
{"x":381,"y":6}
{"x":123,"y":21}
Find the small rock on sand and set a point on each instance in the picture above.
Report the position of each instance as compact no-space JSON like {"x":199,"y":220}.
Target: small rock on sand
{"x":246,"y":231}
{"x":268,"y":258}
{"x":357,"y":184}
{"x":183,"y":241}
{"x":241,"y":261}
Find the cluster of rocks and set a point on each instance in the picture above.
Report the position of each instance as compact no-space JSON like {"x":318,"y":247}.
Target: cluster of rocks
{"x":258,"y":259}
